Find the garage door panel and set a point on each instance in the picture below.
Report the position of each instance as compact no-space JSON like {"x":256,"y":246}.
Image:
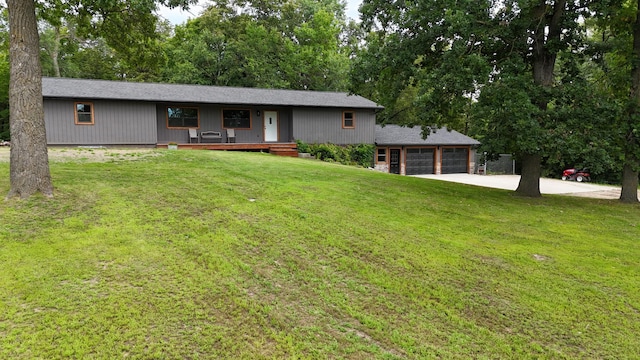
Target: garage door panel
{"x":455,"y":160}
{"x":419,"y":161}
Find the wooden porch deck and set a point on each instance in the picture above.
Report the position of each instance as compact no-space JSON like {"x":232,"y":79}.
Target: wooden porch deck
{"x":281,"y":149}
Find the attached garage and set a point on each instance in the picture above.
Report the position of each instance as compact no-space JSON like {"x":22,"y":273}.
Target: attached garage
{"x":403,"y":150}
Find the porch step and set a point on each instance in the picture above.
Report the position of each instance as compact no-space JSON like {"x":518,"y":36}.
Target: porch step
{"x":284,"y":150}
{"x":284,"y":146}
{"x":290,"y":153}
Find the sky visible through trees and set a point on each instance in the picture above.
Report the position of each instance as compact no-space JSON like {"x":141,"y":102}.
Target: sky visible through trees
{"x":177,"y":16}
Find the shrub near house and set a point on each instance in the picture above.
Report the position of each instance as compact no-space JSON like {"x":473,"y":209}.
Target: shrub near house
{"x":361,"y":154}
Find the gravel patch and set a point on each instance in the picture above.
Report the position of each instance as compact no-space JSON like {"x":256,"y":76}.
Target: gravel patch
{"x":91,"y":154}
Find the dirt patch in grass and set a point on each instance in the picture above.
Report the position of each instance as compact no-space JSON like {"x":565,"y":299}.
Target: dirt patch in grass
{"x":605,"y":194}
{"x":90,"y":154}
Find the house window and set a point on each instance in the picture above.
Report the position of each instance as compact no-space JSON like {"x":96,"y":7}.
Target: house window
{"x":348,"y":120}
{"x":236,"y":119}
{"x":382,"y":155}
{"x":183,"y":117}
{"x":84,"y":114}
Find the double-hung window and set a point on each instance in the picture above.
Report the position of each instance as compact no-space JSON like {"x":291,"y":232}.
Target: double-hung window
{"x":381,"y":155}
{"x":348,"y":120}
{"x":84,"y":113}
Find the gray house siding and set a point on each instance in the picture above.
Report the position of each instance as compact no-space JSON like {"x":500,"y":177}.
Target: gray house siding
{"x":115,"y":123}
{"x":145,"y":123}
{"x":211,"y":120}
{"x":130,"y":113}
{"x":318,"y":125}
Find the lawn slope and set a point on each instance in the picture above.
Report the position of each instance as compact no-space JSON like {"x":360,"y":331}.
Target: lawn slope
{"x":196,"y":254}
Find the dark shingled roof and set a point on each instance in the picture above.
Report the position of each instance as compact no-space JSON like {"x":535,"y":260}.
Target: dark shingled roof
{"x":399,"y":135}
{"x":120,"y":90}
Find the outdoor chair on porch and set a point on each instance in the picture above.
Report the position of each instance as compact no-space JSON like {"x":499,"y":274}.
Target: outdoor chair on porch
{"x":211,"y":136}
{"x":193,"y":134}
{"x":231,"y":135}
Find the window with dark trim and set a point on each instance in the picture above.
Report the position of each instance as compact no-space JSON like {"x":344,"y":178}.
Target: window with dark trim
{"x":84,"y":113}
{"x":381,"y":155}
{"x":348,"y":120}
{"x":183,"y":117}
{"x":236,"y":119}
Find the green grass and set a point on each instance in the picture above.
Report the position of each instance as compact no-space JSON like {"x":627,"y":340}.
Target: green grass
{"x":196,"y":254}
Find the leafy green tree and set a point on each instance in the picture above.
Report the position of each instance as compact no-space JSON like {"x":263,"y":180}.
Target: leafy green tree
{"x":318,"y":62}
{"x":262,"y":57}
{"x":504,"y":54}
{"x":208,"y":50}
{"x":274,"y":44}
{"x":93,"y":59}
{"x":199,"y":52}
{"x":58,"y":43}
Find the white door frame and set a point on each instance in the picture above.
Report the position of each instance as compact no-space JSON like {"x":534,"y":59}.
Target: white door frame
{"x":270,"y":126}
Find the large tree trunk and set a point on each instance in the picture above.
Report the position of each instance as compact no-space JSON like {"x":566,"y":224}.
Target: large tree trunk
{"x":629,"y":192}
{"x":530,"y":178}
{"x":29,"y":159}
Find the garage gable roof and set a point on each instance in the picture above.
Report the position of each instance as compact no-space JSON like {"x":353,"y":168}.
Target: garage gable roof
{"x":400,"y":135}
{"x":176,"y":93}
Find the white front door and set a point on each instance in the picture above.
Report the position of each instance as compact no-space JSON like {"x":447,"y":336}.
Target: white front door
{"x":270,"y":126}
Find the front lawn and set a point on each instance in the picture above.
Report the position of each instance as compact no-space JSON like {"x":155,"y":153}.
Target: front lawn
{"x":199,"y":254}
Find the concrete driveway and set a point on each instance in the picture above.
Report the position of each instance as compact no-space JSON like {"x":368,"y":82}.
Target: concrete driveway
{"x":547,"y":186}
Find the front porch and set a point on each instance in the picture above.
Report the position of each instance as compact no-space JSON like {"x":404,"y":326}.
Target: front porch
{"x":280,"y":149}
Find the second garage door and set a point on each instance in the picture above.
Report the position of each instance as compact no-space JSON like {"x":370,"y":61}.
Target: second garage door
{"x":455,"y":160}
{"x":420,"y":161}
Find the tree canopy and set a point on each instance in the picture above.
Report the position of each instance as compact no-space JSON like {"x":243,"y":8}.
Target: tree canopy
{"x":511,"y":68}
{"x":295,"y":44}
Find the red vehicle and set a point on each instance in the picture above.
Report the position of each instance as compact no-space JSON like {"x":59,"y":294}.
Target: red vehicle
{"x":578,"y":175}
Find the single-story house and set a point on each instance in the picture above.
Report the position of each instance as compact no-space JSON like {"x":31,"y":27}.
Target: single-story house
{"x":403,"y":150}
{"x":99,"y":112}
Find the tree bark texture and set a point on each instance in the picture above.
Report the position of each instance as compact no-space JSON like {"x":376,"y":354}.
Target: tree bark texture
{"x":530,"y":178}
{"x":29,"y":163}
{"x":629,"y":192}
{"x":55,"y":52}
{"x":548,"y":28}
